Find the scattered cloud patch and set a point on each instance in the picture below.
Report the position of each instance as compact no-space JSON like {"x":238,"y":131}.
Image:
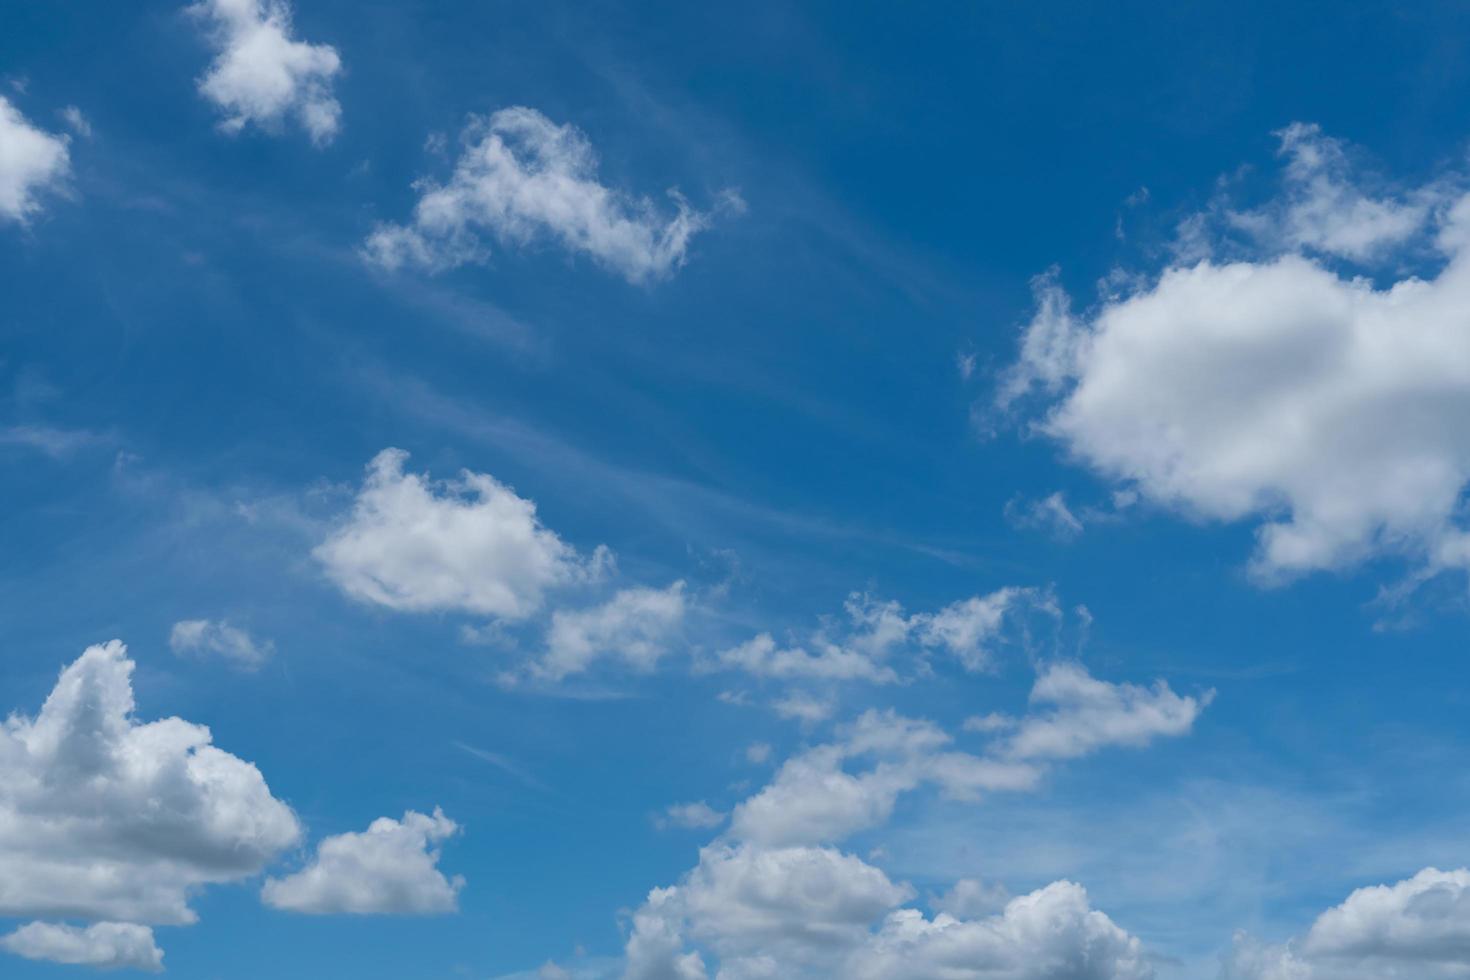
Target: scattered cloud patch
{"x":1050,"y":515}
{"x":204,"y":638}
{"x":103,"y":945}
{"x":690,"y":816}
{"x":33,"y":163}
{"x":522,"y":178}
{"x":389,"y":869}
{"x":262,"y":74}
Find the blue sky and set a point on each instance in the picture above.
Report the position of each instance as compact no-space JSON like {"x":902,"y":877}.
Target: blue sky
{"x":665,"y":491}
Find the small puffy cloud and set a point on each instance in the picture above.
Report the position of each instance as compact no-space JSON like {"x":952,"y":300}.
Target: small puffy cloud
{"x":203,"y":637}
{"x":470,"y":545}
{"x":758,"y":753}
{"x":1419,"y":927}
{"x":105,"y":817}
{"x":690,"y":816}
{"x":1080,"y":714}
{"x":33,"y":162}
{"x":104,"y":945}
{"x":390,"y":869}
{"x":1050,"y":934}
{"x":1272,"y":386}
{"x":521,"y":178}
{"x":262,"y":74}
{"x":635,"y":625}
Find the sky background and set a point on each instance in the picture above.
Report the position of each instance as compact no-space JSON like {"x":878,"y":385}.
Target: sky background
{"x":197,"y":362}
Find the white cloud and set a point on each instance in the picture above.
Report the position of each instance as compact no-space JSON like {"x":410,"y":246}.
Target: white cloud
{"x":1050,"y":514}
{"x":263,"y":75}
{"x":202,"y":637}
{"x":757,"y":753}
{"x":635,"y":625}
{"x":1086,"y":714}
{"x":32,"y":162}
{"x":804,"y":708}
{"x":104,"y":945}
{"x":77,"y":121}
{"x":970,"y":898}
{"x":470,"y":545}
{"x":389,"y":869}
{"x":814,"y":799}
{"x":876,"y":631}
{"x":1278,"y":390}
{"x":807,"y":912}
{"x":1419,"y":927}
{"x":774,"y":897}
{"x":1322,"y":209}
{"x":689,"y":816}
{"x":795,"y":905}
{"x":1050,"y":934}
{"x":520,"y":177}
{"x":761,"y":656}
{"x":104,"y":817}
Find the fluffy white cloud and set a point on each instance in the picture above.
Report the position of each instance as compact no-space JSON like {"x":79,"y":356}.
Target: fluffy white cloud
{"x":811,"y":912}
{"x":262,"y":75}
{"x":104,"y":817}
{"x":690,"y":815}
{"x":774,"y":897}
{"x":1085,"y":714}
{"x":520,"y":177}
{"x":814,"y":798}
{"x":635,"y":625}
{"x":1277,"y":389}
{"x":755,"y":907}
{"x":390,"y":869}
{"x":472,"y":545}
{"x":105,"y":945}
{"x":1050,"y":934}
{"x":102,"y":945}
{"x":32,"y":162}
{"x":1419,"y":927}
{"x":202,"y":637}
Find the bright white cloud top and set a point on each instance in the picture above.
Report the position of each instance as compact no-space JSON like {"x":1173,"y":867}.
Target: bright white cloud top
{"x":774,"y":896}
{"x":33,"y":163}
{"x":635,"y":626}
{"x":1419,"y":927}
{"x":104,"y":817}
{"x":521,"y":178}
{"x":103,"y":945}
{"x":1277,"y":388}
{"x":262,"y":74}
{"x":392,"y":868}
{"x":471,"y":545}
